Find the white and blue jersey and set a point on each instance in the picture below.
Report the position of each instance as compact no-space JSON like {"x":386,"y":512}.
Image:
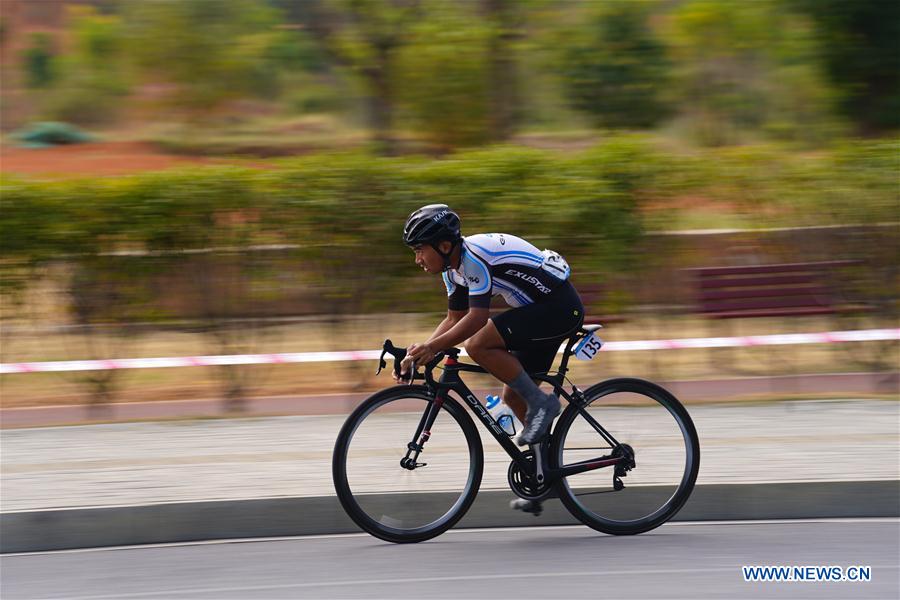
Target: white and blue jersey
{"x":493,"y":264}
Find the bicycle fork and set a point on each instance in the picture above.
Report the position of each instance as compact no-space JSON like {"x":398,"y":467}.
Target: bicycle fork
{"x":422,"y":435}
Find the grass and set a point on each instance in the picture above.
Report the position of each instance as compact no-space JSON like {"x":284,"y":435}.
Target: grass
{"x":43,"y":389}
{"x":261,"y":138}
{"x":698,"y":219}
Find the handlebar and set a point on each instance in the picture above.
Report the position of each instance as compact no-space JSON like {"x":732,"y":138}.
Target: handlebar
{"x":400,"y":353}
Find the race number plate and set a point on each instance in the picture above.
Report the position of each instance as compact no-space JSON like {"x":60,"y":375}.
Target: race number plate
{"x":588,"y":347}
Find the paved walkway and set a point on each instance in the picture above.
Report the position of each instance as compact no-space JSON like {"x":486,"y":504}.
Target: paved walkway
{"x":141,"y":463}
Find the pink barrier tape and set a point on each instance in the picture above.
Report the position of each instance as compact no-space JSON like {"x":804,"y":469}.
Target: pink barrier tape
{"x":864,"y":335}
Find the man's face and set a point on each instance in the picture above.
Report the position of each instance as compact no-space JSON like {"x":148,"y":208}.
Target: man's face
{"x":427,"y":258}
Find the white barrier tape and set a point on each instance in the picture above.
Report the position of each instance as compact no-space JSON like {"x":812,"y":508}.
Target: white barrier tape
{"x":827,"y":337}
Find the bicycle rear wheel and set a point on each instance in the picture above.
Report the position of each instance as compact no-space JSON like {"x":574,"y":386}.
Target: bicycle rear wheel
{"x":645,"y":420}
{"x":390,"y":501}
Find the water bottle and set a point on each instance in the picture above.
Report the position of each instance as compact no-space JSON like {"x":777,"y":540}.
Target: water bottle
{"x":502,"y":414}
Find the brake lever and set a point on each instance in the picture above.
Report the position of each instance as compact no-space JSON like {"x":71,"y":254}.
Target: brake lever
{"x":412,"y":373}
{"x":398,"y":353}
{"x":386,"y":348}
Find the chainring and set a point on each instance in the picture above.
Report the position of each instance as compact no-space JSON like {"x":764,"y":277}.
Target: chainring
{"x":521,"y":485}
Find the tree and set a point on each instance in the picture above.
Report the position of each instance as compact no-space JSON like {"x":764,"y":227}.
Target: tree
{"x":615,"y":69}
{"x":38,"y":60}
{"x":365,"y":36}
{"x":207,"y":52}
{"x":403,"y":52}
{"x":746,"y":67}
{"x":93,"y":76}
{"x":719,"y":48}
{"x":504,"y":17}
{"x":445,"y":81}
{"x":860,"y":42}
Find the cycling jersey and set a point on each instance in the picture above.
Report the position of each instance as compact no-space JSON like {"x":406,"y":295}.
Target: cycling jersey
{"x":494,"y":264}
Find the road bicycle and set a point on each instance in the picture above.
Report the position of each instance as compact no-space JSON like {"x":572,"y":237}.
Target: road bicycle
{"x":408,"y":462}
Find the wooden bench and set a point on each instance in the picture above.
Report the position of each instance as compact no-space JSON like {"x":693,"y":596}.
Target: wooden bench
{"x":777,"y":290}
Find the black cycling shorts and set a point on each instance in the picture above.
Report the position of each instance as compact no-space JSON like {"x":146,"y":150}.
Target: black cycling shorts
{"x":533,"y":333}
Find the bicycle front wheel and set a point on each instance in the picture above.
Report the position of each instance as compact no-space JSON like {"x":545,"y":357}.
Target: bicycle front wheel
{"x":644,"y":421}
{"x":389,"y":500}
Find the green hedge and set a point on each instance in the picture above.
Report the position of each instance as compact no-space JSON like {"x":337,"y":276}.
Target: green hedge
{"x":346,"y":211}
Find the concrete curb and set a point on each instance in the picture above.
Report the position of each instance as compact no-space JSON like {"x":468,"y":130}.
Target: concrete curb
{"x":57,"y":529}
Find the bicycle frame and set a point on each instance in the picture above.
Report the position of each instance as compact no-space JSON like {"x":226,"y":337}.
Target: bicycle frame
{"x":538,"y":470}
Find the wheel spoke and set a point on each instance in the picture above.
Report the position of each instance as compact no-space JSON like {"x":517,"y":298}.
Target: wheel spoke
{"x":646,"y":421}
{"x":597,"y":492}
{"x":398,"y":503}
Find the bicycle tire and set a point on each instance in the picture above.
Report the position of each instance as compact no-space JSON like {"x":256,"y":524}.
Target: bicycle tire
{"x":673,"y":503}
{"x":351,"y":502}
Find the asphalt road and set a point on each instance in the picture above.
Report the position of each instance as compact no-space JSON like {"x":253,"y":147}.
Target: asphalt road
{"x":688,"y":560}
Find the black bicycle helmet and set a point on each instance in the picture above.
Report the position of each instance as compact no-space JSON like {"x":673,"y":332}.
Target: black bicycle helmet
{"x":432,"y":225}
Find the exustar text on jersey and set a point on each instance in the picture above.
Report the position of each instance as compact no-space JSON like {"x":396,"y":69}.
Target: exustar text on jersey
{"x":530,"y":279}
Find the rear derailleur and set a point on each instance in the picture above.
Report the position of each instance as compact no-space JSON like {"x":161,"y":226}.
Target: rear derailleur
{"x":622,"y":467}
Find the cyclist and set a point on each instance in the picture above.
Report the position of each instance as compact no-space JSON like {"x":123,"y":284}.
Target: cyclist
{"x":546,"y":309}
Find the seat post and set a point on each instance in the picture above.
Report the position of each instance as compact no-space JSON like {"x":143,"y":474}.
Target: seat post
{"x":564,"y":363}
{"x":567,"y":353}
